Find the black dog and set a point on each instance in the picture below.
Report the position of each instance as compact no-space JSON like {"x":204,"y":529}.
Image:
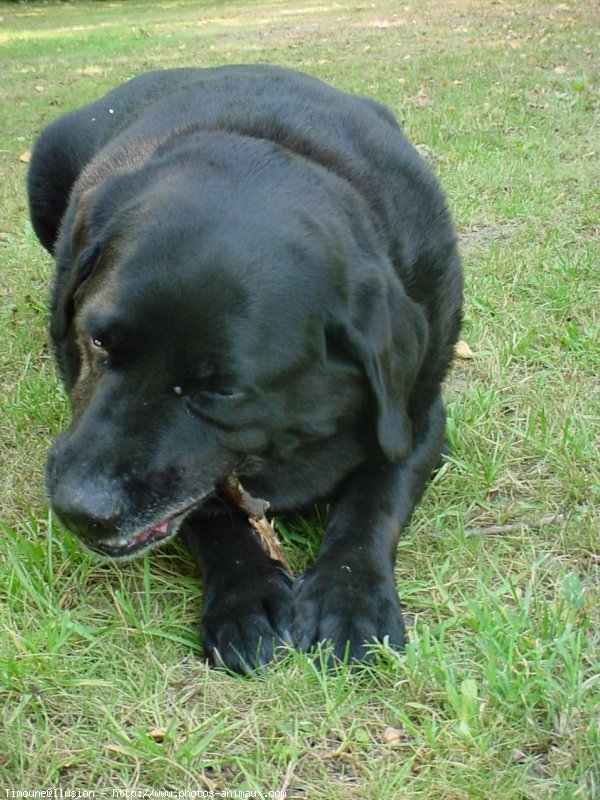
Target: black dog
{"x":256,"y":275}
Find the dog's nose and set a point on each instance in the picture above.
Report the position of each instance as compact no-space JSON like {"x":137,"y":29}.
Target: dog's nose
{"x":92,"y":510}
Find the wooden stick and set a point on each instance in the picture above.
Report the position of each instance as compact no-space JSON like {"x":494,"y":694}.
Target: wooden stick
{"x":549,"y":519}
{"x":256,"y":509}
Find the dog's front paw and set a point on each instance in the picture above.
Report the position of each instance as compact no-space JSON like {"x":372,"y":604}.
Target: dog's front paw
{"x":246,"y":620}
{"x":349,"y":606}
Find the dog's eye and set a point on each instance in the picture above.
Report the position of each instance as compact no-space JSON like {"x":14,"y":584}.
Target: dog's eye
{"x":100,"y":354}
{"x":206,"y":393}
{"x":215,"y":405}
{"x":219,"y":391}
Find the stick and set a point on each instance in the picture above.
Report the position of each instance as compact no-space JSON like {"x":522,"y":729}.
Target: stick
{"x":256,"y":509}
{"x":549,"y":519}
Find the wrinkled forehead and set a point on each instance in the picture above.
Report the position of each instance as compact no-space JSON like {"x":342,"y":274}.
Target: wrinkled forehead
{"x":219,"y":289}
{"x":159,"y":305}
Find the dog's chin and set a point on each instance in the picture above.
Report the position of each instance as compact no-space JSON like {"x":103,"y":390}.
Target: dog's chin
{"x":127,"y":547}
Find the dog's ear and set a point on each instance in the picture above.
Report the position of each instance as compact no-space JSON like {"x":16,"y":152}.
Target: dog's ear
{"x":386,"y":332}
{"x":80,"y":275}
{"x":91,"y":223}
{"x":84,"y":252}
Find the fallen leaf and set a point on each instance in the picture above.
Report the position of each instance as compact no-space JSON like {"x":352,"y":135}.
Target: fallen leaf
{"x":25,"y":157}
{"x":422,"y":98}
{"x":462,"y":350}
{"x":560,"y":70}
{"x":393,"y":735}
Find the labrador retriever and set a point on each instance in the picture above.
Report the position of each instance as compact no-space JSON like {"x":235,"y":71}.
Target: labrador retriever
{"x":256,"y":276}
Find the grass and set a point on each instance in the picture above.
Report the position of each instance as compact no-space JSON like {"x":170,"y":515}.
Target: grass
{"x":497,"y":694}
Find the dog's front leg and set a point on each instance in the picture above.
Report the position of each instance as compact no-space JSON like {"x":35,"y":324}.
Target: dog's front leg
{"x":247,"y":595}
{"x":349,"y":596}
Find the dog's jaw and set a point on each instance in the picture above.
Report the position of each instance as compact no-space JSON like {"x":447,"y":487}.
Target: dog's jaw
{"x":121,"y":547}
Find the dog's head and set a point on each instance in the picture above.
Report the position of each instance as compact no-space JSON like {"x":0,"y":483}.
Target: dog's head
{"x":222,"y":314}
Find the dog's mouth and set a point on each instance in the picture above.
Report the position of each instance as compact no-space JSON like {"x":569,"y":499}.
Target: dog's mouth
{"x":130,"y":546}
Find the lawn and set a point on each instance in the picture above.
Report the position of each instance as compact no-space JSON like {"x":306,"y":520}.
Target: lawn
{"x":102,"y":684}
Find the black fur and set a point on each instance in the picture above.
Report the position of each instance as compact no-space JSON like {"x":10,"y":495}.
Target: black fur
{"x":255,"y":274}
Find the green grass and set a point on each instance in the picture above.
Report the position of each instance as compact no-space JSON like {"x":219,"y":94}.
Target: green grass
{"x":497,"y":694}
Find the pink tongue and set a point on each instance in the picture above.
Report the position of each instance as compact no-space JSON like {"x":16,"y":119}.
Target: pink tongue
{"x":156,"y":530}
{"x":161,"y":528}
